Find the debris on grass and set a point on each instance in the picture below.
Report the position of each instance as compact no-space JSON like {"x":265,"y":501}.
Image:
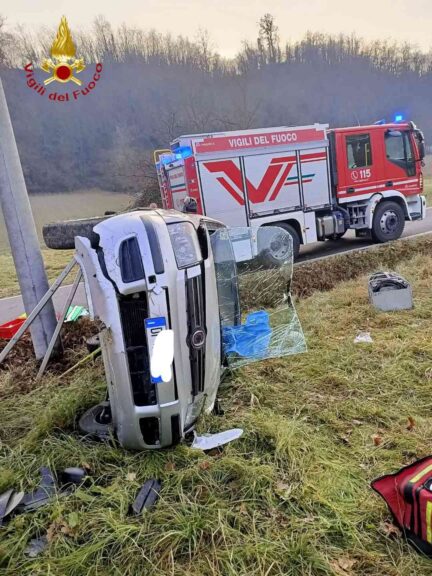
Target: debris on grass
{"x":323,"y":275}
{"x":363,"y":337}
{"x":292,"y":497}
{"x":146,"y":497}
{"x":36,"y":546}
{"x":211,"y":441}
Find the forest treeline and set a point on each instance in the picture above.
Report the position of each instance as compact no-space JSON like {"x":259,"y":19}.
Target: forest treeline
{"x":154,"y":87}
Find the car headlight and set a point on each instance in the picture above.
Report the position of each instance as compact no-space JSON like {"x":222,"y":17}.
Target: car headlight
{"x":185,"y":244}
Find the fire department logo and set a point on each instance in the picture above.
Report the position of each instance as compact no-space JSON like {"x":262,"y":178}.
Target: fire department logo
{"x":63,"y":65}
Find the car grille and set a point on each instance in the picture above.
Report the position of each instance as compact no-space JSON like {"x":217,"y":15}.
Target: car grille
{"x":133,"y":312}
{"x":197,"y":331}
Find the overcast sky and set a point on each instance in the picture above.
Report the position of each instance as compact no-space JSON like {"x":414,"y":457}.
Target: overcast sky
{"x":231,"y":21}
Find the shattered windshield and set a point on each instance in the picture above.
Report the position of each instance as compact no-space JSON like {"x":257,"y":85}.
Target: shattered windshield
{"x":253,"y":272}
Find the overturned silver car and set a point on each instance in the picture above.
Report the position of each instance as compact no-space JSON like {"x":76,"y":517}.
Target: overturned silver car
{"x":150,"y":271}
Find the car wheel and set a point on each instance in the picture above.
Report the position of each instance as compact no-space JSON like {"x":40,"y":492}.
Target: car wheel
{"x":61,"y":235}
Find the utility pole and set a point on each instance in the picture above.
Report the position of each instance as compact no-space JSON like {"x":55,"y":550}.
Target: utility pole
{"x":22,"y":234}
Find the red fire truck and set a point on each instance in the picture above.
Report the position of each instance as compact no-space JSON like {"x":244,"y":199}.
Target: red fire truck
{"x":314,"y":182}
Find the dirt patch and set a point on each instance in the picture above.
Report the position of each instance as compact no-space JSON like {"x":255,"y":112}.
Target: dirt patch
{"x":22,"y":366}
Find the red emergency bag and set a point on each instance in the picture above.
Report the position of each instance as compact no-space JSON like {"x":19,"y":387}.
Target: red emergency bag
{"x":408,"y":494}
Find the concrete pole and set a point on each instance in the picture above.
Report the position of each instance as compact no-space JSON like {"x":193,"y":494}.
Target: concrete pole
{"x":22,"y":234}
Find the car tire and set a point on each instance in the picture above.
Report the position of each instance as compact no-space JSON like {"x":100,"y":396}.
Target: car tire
{"x":275,"y":258}
{"x":61,"y":235}
{"x":388,"y":221}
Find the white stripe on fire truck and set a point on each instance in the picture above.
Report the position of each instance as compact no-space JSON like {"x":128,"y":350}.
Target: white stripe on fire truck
{"x":306,"y":160}
{"x":382,"y":186}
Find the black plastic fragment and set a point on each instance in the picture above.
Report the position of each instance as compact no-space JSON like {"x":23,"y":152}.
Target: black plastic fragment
{"x":217,"y":408}
{"x":97,"y":421}
{"x":73,"y":476}
{"x":42,"y":495}
{"x":147,"y":496}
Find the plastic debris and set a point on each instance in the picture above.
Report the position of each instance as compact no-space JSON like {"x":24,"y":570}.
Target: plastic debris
{"x":251,"y":339}
{"x":73,"y":475}
{"x":36,"y":546}
{"x":212,"y":441}
{"x":42,"y":495}
{"x":363,"y":337}
{"x":4,"y":501}
{"x":97,"y":421}
{"x":9,"y":329}
{"x":147,"y":496}
{"x":389,"y":291}
{"x":75,"y":312}
{"x":14,"y":500}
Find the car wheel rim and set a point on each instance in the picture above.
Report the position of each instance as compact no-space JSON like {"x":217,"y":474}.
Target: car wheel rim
{"x":389,"y":222}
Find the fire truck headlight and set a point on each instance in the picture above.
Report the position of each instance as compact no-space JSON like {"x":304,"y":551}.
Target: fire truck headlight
{"x":185,"y":244}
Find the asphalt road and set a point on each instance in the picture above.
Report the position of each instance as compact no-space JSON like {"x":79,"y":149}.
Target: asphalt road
{"x":350,"y":242}
{"x":12,"y":307}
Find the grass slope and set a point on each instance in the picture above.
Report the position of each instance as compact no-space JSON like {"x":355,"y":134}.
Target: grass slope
{"x":428,"y":190}
{"x":291,"y":497}
{"x":55,"y":261}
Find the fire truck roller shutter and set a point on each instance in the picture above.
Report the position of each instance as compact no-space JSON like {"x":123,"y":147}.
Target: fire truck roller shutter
{"x":272,"y":182}
{"x":315,"y":177}
{"x":222,"y":190}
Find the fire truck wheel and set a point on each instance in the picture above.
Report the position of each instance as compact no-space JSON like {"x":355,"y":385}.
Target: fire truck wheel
{"x":277,"y":252}
{"x":61,"y":235}
{"x":388,"y":221}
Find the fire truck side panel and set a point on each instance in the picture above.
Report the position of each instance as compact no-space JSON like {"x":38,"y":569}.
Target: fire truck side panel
{"x":272,"y":182}
{"x":222,"y":189}
{"x":315,"y":178}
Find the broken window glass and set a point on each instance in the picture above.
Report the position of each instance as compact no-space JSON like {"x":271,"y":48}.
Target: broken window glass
{"x":253,"y":274}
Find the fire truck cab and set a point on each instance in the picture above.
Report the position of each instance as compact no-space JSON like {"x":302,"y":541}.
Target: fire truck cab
{"x":312,"y":181}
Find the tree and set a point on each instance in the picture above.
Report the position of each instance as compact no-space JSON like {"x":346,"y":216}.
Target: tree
{"x":268,"y":40}
{"x":6,"y":44}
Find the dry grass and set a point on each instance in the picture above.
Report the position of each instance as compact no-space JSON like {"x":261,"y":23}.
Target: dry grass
{"x":291,"y":497}
{"x":325,"y":274}
{"x":55,"y":261}
{"x":428,"y":190}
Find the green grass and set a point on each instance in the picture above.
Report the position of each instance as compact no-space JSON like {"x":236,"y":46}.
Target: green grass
{"x":55,"y":261}
{"x":291,"y":497}
{"x":428,"y":190}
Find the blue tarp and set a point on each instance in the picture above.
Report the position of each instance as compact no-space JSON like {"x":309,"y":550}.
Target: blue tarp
{"x":251,"y":339}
